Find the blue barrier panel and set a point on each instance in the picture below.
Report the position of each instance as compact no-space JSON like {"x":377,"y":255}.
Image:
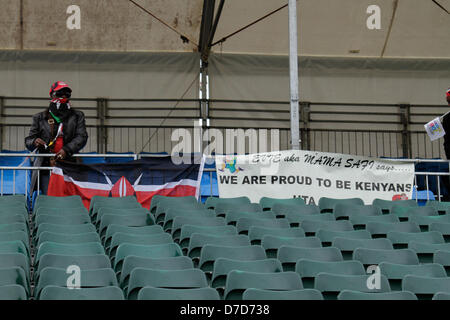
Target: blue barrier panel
{"x":14,"y":182}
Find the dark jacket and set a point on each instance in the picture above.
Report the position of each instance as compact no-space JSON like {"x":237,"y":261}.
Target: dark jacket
{"x":446,"y":126}
{"x":74,"y":137}
{"x":74,"y":131}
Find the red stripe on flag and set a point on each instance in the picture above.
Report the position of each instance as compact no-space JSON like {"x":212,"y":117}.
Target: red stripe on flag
{"x":60,"y":188}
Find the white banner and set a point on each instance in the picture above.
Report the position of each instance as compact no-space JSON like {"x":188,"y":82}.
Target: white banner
{"x":312,"y":175}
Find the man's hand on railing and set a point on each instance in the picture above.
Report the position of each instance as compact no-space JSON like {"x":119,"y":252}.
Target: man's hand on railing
{"x":61,"y":155}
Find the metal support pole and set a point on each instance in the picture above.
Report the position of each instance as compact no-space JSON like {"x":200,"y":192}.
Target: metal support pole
{"x":2,"y":104}
{"x":406,"y":136}
{"x":105,"y":130}
{"x":305,"y":118}
{"x":204,"y":101}
{"x":102,"y":138}
{"x":293,"y":67}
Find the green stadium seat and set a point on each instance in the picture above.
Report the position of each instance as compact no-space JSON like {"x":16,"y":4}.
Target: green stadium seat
{"x":128,"y":202}
{"x":256,"y":233}
{"x":121,"y":212}
{"x":101,"y":201}
{"x":360,"y":222}
{"x":443,"y":258}
{"x":64,"y":220}
{"x":231,"y":217}
{"x":179,"y":222}
{"x":198,"y":241}
{"x":210,"y":253}
{"x":426,"y":221}
{"x":154,"y":202}
{"x":404,"y":213}
{"x":134,"y":220}
{"x":223,"y":207}
{"x":57,"y":211}
{"x":10,"y":227}
{"x":376,"y":256}
{"x":348,"y":246}
{"x":381,"y":229}
{"x":396,"y":272}
{"x":296,"y":219}
{"x":238,"y":281}
{"x":211,"y":202}
{"x":425,"y":251}
{"x":114,"y":228}
{"x":222,"y":266}
{"x":268,"y":203}
{"x":330,"y":285}
{"x":17,"y":198}
{"x":164,"y":201}
{"x":327,"y":236}
{"x":243,"y":224}
{"x":14,"y":218}
{"x":101,"y":293}
{"x":151,"y":239}
{"x":15,"y":246}
{"x":13,"y":292}
{"x":51,"y":276}
{"x":181,"y":279}
{"x":261,"y":294}
{"x":10,"y":260}
{"x":356,"y":295}
{"x":311,"y":227}
{"x":288,"y":256}
{"x":80,"y":249}
{"x":14,"y":276}
{"x":162,"y":210}
{"x":150,"y":293}
{"x":425,"y":287}
{"x":132,"y":262}
{"x":441,"y":296}
{"x":442,"y":228}
{"x":283,"y":210}
{"x":13,"y":210}
{"x":401,"y":239}
{"x":327,"y":204}
{"x":68,"y":238}
{"x":388,"y":205}
{"x":156,"y":251}
{"x":86,"y":262}
{"x":309,"y":269}
{"x":345,"y":211}
{"x":272,"y":243}
{"x":15,"y":235}
{"x":172,"y":213}
{"x":188,"y":230}
{"x":58,"y":202}
{"x":66,"y":229}
{"x":441,"y":206}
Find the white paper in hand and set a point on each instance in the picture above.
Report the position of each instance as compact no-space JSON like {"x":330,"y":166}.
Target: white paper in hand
{"x":435,"y":129}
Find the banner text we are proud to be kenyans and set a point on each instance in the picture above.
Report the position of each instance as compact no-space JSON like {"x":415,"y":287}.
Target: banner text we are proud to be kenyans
{"x":312,"y":175}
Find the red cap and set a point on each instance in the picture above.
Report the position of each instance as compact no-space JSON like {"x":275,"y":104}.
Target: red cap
{"x":448,"y":92}
{"x":58,"y":86}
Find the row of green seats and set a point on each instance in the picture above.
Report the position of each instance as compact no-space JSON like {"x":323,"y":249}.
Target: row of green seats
{"x":66,"y":238}
{"x":15,"y":249}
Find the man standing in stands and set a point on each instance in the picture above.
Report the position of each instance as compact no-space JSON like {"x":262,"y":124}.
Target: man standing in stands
{"x":446,"y":125}
{"x":59,"y":129}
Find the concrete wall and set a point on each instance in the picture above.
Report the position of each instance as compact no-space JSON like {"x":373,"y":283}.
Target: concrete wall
{"x":325,"y":27}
